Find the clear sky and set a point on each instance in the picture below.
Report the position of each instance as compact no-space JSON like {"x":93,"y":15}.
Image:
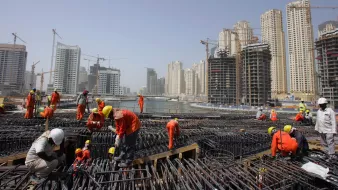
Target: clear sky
{"x":149,"y":33}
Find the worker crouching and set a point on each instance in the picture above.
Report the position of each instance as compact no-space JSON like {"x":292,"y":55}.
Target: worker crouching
{"x":260,"y":115}
{"x":86,"y":151}
{"x":95,"y":121}
{"x":299,"y":117}
{"x":127,"y":127}
{"x":282,"y":142}
{"x":303,"y":145}
{"x":308,"y":118}
{"x":2,"y":108}
{"x":47,"y":112}
{"x":173,"y":131}
{"x":273,"y":116}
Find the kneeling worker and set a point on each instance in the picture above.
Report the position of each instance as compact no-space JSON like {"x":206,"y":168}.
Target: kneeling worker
{"x":127,"y":126}
{"x":95,"y":120}
{"x":303,"y":145}
{"x":260,"y":115}
{"x":41,"y":160}
{"x":281,"y":141}
{"x":308,"y":117}
{"x":47,"y":112}
{"x":173,"y":130}
{"x":299,"y":117}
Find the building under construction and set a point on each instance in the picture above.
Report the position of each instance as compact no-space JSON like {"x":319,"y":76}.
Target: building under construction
{"x":222,"y":79}
{"x":327,"y":60}
{"x":256,"y":75}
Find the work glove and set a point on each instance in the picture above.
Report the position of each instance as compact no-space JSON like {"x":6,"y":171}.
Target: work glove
{"x":98,"y":123}
{"x":117,"y":141}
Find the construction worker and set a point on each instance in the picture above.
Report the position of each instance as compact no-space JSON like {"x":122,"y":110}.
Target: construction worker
{"x":273,"y":115}
{"x":49,"y":100}
{"x":81,"y":104}
{"x":95,"y":120}
{"x":41,"y":159}
{"x":78,"y":158}
{"x":281,"y":141}
{"x":100,"y":105}
{"x":47,"y":112}
{"x":308,"y":117}
{"x":30,"y":105}
{"x":327,"y":127}
{"x":38,"y":98}
{"x":2,"y":108}
{"x":303,"y":145}
{"x":111,"y":152}
{"x":127,"y":126}
{"x":141,"y":102}
{"x":299,"y":117}
{"x":173,"y":130}
{"x":260,"y":115}
{"x":55,"y":98}
{"x":302,"y":106}
{"x":86,"y":151}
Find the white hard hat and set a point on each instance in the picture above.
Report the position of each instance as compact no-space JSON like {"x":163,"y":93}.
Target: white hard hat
{"x":57,"y":135}
{"x":322,"y":101}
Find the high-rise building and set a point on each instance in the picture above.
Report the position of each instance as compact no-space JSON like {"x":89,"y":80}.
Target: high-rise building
{"x":327,"y":61}
{"x":67,"y":66}
{"x":109,"y":81}
{"x":28,"y":84}
{"x":175,"y":79}
{"x":301,"y":53}
{"x":199,"y":69}
{"x":327,"y":26}
{"x":161,"y":86}
{"x":151,"y":81}
{"x":83,"y":75}
{"x":13,"y":61}
{"x":227,"y":41}
{"x":273,"y":34}
{"x":222,"y":79}
{"x":245,"y":32}
{"x":189,"y":79}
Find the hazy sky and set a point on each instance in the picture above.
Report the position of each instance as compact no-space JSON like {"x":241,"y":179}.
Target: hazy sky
{"x":149,"y":33}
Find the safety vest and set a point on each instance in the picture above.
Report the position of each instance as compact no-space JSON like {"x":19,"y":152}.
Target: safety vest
{"x":302,"y":107}
{"x":273,"y":116}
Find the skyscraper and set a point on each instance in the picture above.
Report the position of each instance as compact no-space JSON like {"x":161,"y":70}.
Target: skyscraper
{"x":327,"y":26}
{"x":109,"y":81}
{"x":67,"y":66}
{"x":160,"y":86}
{"x":28,"y":77}
{"x":301,"y":54}
{"x":189,"y":79}
{"x":175,"y":79}
{"x":151,"y":81}
{"x":227,"y":41}
{"x":199,"y":69}
{"x":273,"y":34}
{"x":244,"y":31}
{"x":13,"y":60}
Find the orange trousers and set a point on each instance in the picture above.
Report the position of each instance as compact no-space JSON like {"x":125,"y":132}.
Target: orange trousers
{"x":80,"y":111}
{"x":29,"y":112}
{"x":171,"y":137}
{"x":141,"y":107}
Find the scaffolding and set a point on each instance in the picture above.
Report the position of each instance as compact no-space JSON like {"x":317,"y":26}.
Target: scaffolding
{"x":256,"y":74}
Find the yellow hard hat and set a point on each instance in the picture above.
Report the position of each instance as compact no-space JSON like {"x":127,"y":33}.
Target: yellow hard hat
{"x":55,"y":89}
{"x":287,"y":128}
{"x":95,"y":110}
{"x":32,"y":92}
{"x":176,"y":119}
{"x":111,"y":150}
{"x":271,"y":129}
{"x":87,"y":142}
{"x":301,"y":111}
{"x":106,"y":111}
{"x":2,"y":105}
{"x":301,"y":99}
{"x":78,"y":150}
{"x":52,"y":106}
{"x":98,"y":100}
{"x":272,"y":110}
{"x":307,"y":111}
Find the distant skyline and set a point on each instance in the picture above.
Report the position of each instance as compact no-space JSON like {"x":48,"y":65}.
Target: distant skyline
{"x":148,"y":33}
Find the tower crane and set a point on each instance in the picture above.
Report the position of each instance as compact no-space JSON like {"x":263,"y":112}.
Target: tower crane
{"x":42,"y":78}
{"x":51,"y":63}
{"x":32,"y":77}
{"x":89,"y":60}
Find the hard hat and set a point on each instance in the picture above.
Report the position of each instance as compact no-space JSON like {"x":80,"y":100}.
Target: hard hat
{"x":98,"y":100}
{"x":302,"y":100}
{"x":32,"y":91}
{"x":139,"y":94}
{"x":301,"y":111}
{"x":94,"y":110}
{"x":271,"y":129}
{"x":57,"y":135}
{"x":272,"y":110}
{"x":106,"y":111}
{"x":307,"y":111}
{"x":55,"y":89}
{"x":322,"y":101}
{"x":87,"y":142}
{"x":176,"y":119}
{"x":85,"y":92}
{"x":2,"y":105}
{"x":287,"y":128}
{"x":111,"y":150}
{"x":52,"y":106}
{"x":78,"y":150}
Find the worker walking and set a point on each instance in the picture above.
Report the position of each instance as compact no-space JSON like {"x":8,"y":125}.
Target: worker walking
{"x":282,"y":142}
{"x":327,"y":127}
{"x":303,"y":145}
{"x":111,"y":153}
{"x":55,"y":99}
{"x":95,"y":120}
{"x":173,"y":131}
{"x":30,"y":105}
{"x":81,"y":104}
{"x":100,"y":105}
{"x":2,"y":108}
{"x":41,"y":159}
{"x":47,"y":112}
{"x":308,"y":117}
{"x":299,"y":117}
{"x":302,"y":106}
{"x":260,"y":115}
{"x":127,"y":126}
{"x":141,"y":102}
{"x":273,"y":115}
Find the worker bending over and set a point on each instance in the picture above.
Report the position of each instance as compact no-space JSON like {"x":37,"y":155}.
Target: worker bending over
{"x":273,"y":115}
{"x":2,"y":108}
{"x":30,"y":102}
{"x":260,"y":115}
{"x":47,"y":112}
{"x":173,"y":131}
{"x":327,"y":127}
{"x":41,"y":159}
{"x":55,"y":99}
{"x":308,"y":117}
{"x":299,"y":117}
{"x":302,"y":106}
{"x":100,"y":105}
{"x":95,"y":120}
{"x":86,"y":151}
{"x":111,"y":152}
{"x":81,"y":103}
{"x":282,"y":142}
{"x":141,"y":102}
{"x":127,"y":126}
{"x":303,"y":145}
{"x":78,"y":159}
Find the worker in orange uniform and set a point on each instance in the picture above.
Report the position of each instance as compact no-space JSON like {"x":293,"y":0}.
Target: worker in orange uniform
{"x":86,"y":151}
{"x":30,"y":105}
{"x":2,"y":108}
{"x":100,"y":105}
{"x":273,"y":115}
{"x":299,"y":117}
{"x":81,"y":104}
{"x":127,"y":126}
{"x":78,"y":160}
{"x":282,"y":141}
{"x":141,"y":102}
{"x":47,"y":112}
{"x":95,"y":120}
{"x":173,"y":130}
{"x":55,"y":98}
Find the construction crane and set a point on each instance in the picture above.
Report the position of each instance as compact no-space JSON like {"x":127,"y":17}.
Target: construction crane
{"x":32,"y":77}
{"x":51,"y":62}
{"x":13,"y":58}
{"x":42,"y":78}
{"x":89,"y":60}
